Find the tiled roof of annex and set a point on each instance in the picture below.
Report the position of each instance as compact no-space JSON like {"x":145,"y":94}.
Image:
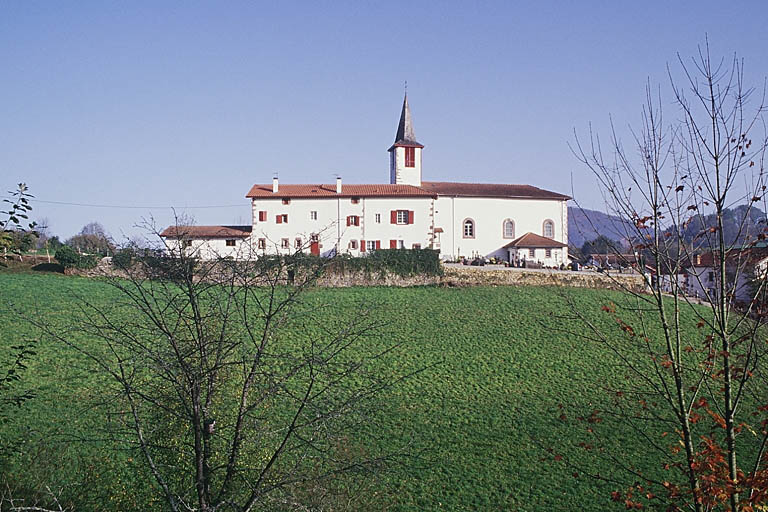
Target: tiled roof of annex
{"x":532,"y":240}
{"x":327,"y":191}
{"x":445,"y":188}
{"x":206,"y":231}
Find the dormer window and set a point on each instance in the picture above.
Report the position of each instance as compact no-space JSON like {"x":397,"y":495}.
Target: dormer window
{"x":410,"y":157}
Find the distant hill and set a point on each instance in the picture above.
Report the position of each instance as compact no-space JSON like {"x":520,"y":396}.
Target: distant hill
{"x":585,"y":225}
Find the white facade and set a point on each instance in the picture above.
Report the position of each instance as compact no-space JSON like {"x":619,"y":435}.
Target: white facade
{"x":399,"y":172}
{"x":209,"y":248}
{"x":343,"y":224}
{"x":489,"y":215}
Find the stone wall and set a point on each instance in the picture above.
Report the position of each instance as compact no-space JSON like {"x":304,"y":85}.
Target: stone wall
{"x":455,"y":276}
{"x":474,"y":276}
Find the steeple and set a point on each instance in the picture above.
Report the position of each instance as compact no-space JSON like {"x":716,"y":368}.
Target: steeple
{"x":405,"y":135}
{"x":405,"y":153}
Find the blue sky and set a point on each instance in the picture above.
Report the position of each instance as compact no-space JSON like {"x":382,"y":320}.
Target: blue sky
{"x":188,"y":104}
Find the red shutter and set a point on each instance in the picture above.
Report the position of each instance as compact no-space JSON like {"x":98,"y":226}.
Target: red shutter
{"x":262,"y":216}
{"x":378,"y":244}
{"x":362,"y":245}
{"x":410,"y":216}
{"x":349,"y":220}
{"x":393,"y":244}
{"x":279,"y":219}
{"x":357,"y":220}
{"x":393,"y":217}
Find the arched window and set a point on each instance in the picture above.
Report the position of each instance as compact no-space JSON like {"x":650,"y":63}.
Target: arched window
{"x":469,"y":228}
{"x":509,"y":229}
{"x":549,"y":229}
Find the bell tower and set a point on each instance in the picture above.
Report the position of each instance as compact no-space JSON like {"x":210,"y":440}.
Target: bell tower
{"x":405,"y":153}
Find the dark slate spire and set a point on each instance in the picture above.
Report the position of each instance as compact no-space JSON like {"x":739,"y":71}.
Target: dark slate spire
{"x":405,"y":135}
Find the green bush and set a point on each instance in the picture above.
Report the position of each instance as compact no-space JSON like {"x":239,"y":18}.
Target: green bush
{"x":408,"y":262}
{"x":69,"y":258}
{"x":49,"y":267}
{"x":87,"y":261}
{"x":123,"y":258}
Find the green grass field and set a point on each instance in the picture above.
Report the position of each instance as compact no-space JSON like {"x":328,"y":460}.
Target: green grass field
{"x":499,"y":362}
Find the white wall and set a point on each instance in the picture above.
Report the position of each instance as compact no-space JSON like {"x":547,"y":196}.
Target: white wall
{"x":399,"y":174}
{"x":556,"y":258}
{"x":331,"y":223}
{"x":212,"y":248}
{"x":489,"y":215}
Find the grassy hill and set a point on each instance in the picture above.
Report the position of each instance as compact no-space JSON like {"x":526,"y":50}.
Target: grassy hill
{"x":477,"y":420}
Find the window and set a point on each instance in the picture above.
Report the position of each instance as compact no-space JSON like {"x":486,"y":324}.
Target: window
{"x":410,"y":157}
{"x":469,"y":228}
{"x":353,"y":220}
{"x":297,"y":243}
{"x":549,"y":229}
{"x":231,"y":243}
{"x":286,"y":201}
{"x":314,"y":238}
{"x":401,"y":217}
{"x":313,"y":215}
{"x":548,"y":253}
{"x":372,"y":245}
{"x":262,"y":216}
{"x":400,"y":244}
{"x":710,"y":276}
{"x":285,"y":243}
{"x":282,"y":218}
{"x":378,"y":218}
{"x":508,"y":229}
{"x":353,"y":244}
{"x":531,"y":253}
{"x":186,"y":243}
{"x":262,"y":244}
{"x":355,"y":200}
{"x":416,"y":246}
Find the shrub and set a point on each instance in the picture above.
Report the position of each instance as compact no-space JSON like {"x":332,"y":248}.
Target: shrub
{"x":49,"y":267}
{"x":408,"y":262}
{"x":67,"y":256}
{"x":123,"y":258}
{"x":88,"y":261}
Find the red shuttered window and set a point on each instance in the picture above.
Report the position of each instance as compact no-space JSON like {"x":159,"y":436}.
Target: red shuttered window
{"x":262,"y":216}
{"x":410,"y":157}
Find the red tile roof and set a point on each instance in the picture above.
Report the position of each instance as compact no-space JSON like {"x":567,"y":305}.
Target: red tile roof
{"x":206,"y":231}
{"x":309,"y":191}
{"x":444,"y":188}
{"x":534,"y":241}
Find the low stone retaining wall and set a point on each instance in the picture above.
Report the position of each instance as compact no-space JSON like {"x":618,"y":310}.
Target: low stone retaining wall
{"x":455,"y":276}
{"x":474,"y":276}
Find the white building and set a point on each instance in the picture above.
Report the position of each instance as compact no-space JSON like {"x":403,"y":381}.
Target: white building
{"x":510,"y":222}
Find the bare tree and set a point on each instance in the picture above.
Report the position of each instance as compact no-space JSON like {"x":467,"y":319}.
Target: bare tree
{"x":695,"y":383}
{"x":226,"y":380}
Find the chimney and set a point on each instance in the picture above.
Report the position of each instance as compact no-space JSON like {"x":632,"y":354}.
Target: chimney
{"x":698,"y":259}
{"x":274,"y":185}
{"x":338,"y":184}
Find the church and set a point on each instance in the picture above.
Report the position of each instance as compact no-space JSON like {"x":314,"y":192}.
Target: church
{"x":514,"y":223}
